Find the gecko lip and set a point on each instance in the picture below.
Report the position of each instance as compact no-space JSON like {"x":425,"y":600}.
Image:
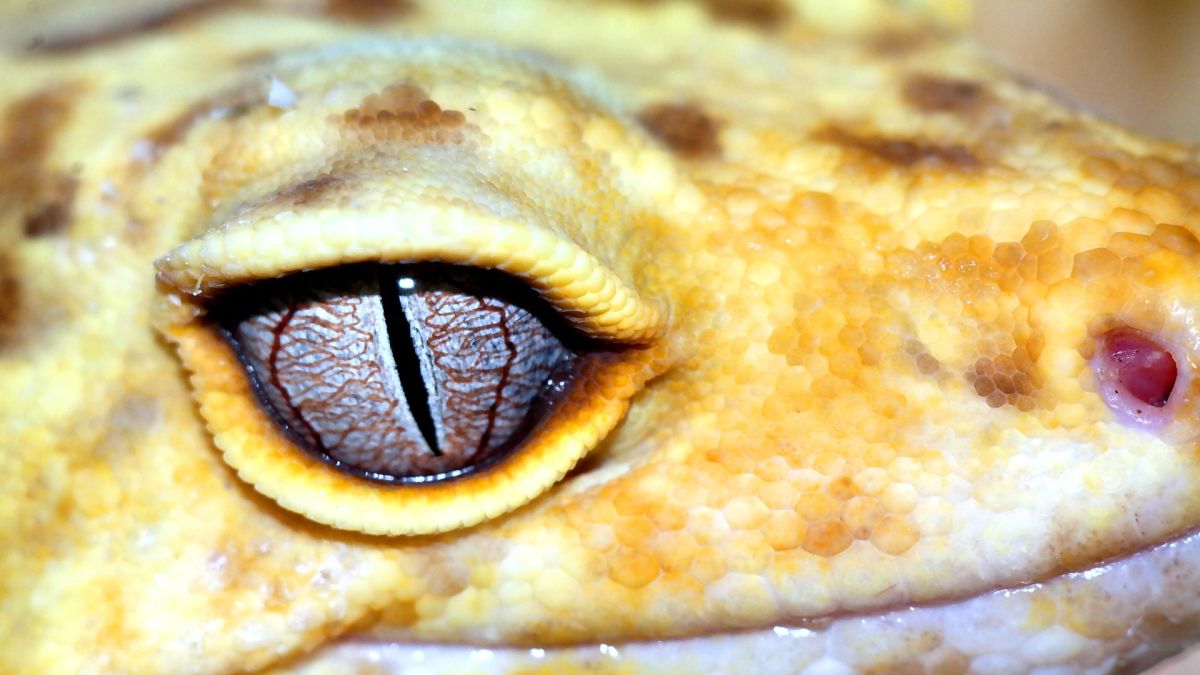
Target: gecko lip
{"x":1102,"y":618}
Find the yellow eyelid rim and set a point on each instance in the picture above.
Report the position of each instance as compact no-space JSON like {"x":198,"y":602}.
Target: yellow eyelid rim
{"x":267,"y":459}
{"x":588,"y":295}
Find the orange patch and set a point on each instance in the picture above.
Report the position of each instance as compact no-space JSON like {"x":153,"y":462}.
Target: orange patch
{"x":827,"y":538}
{"x":927,"y":364}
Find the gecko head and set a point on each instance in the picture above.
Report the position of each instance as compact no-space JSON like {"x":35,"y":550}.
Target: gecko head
{"x":506,"y":312}
{"x":493,"y":356}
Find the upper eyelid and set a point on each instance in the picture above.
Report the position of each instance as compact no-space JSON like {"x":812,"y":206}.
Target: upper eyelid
{"x":404,"y":230}
{"x":452,"y":182}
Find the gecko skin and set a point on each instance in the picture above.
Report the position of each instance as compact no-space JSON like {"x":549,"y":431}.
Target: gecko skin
{"x":890,"y":357}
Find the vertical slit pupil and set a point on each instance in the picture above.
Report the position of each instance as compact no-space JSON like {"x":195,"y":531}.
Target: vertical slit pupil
{"x":404,"y":353}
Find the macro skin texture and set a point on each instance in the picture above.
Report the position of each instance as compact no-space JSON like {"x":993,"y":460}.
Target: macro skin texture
{"x":852,"y":280}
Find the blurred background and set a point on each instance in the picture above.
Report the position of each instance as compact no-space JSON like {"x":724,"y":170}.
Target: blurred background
{"x":1134,"y":61}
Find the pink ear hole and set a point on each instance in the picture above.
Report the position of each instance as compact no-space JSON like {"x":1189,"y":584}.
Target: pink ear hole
{"x":1136,"y":375}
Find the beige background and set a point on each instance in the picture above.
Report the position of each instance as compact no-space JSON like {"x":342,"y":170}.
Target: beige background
{"x":1135,"y":61}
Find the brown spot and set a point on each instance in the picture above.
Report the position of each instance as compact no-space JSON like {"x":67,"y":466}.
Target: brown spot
{"x":894,"y":43}
{"x":682,"y":127}
{"x":256,"y":58}
{"x":405,"y":112}
{"x":757,"y":13}
{"x":227,"y":106}
{"x":1009,"y":379}
{"x":945,"y":661}
{"x":827,"y":538}
{"x":367,"y":11}
{"x":307,"y":192}
{"x":54,"y":215}
{"x":930,"y":93}
{"x":29,"y":128}
{"x":173,"y":131}
{"x":927,"y":364}
{"x":445,"y":576}
{"x":10,"y":301}
{"x":30,"y":125}
{"x":903,"y":152}
{"x":28,"y":311}
{"x":39,"y":197}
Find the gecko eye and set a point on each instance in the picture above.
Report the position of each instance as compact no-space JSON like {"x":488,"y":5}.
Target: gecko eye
{"x":1136,"y":374}
{"x":411,"y":397}
{"x":400,"y":373}
{"x":407,"y":397}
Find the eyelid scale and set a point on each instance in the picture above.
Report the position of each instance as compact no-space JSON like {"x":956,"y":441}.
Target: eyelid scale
{"x":426,"y":216}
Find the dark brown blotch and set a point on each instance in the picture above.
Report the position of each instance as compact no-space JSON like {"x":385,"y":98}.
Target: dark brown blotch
{"x":17,"y":323}
{"x":1008,"y":379}
{"x":308,"y":192}
{"x":53,"y":215}
{"x":763,"y":14}
{"x":34,"y":194}
{"x":405,"y":112}
{"x":368,"y":11}
{"x":927,"y":364}
{"x":684,"y":128}
{"x":28,"y":131}
{"x":897,"y":43}
{"x":909,"y":153}
{"x":226,"y":106}
{"x":10,"y":300}
{"x":931,"y":93}
{"x":757,"y":13}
